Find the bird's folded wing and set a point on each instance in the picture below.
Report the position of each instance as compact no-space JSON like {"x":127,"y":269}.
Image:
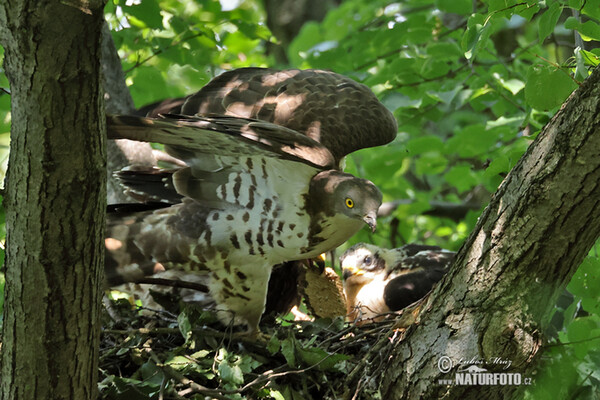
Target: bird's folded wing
{"x":185,"y":136}
{"x":420,"y":256}
{"x":403,"y":290}
{"x":231,"y":161}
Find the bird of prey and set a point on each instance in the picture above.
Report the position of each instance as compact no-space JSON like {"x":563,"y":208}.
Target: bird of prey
{"x":378,"y":281}
{"x":262,"y":184}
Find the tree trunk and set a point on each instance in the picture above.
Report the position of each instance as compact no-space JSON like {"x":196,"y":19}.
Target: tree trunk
{"x":498,"y":298}
{"x":55,"y":199}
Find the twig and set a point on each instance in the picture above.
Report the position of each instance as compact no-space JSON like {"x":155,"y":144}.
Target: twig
{"x":157,"y":52}
{"x":359,"y":369}
{"x":506,"y":9}
{"x":580,"y":388}
{"x":164,"y":331}
{"x":398,"y":50}
{"x":196,"y":387}
{"x":559,"y":68}
{"x":570,"y":343}
{"x":173,"y":283}
{"x":265,"y":377}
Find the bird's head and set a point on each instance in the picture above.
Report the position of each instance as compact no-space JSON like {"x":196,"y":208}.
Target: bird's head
{"x":361,"y":263}
{"x":337,"y":193}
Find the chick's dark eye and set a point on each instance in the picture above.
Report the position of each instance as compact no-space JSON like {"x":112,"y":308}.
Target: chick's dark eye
{"x":368,"y":260}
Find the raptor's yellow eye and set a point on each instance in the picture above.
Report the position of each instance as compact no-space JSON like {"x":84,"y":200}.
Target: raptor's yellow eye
{"x":349,"y":202}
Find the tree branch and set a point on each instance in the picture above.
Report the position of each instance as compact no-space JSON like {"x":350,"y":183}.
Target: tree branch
{"x":498,"y":297}
{"x":454,"y":211}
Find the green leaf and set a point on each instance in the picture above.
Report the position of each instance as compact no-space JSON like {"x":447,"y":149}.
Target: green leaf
{"x":309,"y":35}
{"x":591,"y":305}
{"x":152,"y":373}
{"x":184,"y":325}
{"x":177,"y":361}
{"x":582,"y":328}
{"x":274,"y":345}
{"x":472,"y":140}
{"x":142,"y":92}
{"x":248,"y":364}
{"x":592,"y":9}
{"x":499,"y":165}
{"x":444,"y":50}
{"x":290,"y":394}
{"x":463,"y":7}
{"x":589,"y":58}
{"x":499,"y":5}
{"x":528,"y":11}
{"x":253,"y":30}
{"x":200,"y":354}
{"x":584,"y":334}
{"x":181,"y":363}
{"x":398,"y":100}
{"x":276,"y":395}
{"x":424,"y":144}
{"x":288,"y":351}
{"x":130,"y":389}
{"x":461,"y":177}
{"x":430,"y":164}
{"x":512,"y":85}
{"x":548,"y":20}
{"x":319,"y":357}
{"x":589,"y":30}
{"x":475,"y":37}
{"x":231,"y":373}
{"x":547,"y":87}
{"x":447,"y":96}
{"x":586,"y":281}
{"x":147,"y":12}
{"x":580,"y":70}
{"x":576,"y":4}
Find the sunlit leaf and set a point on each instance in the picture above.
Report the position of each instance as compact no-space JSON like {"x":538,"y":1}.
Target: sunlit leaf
{"x":147,"y":12}
{"x":547,"y":87}
{"x":589,"y":30}
{"x":231,"y":373}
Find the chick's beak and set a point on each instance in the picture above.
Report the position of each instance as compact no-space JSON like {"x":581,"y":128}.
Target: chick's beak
{"x":350,"y":270}
{"x":371,"y":220}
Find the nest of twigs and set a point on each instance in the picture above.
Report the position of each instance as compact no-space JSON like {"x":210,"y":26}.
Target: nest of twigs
{"x":151,"y":354}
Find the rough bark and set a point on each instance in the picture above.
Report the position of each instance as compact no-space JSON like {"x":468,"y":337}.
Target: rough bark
{"x":498,"y":298}
{"x":55,"y":199}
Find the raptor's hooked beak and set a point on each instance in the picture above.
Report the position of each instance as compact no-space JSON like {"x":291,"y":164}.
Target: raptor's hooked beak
{"x":350,"y":270}
{"x":371,"y":220}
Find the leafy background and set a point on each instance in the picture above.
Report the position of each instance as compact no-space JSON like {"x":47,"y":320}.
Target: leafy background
{"x":471,"y":84}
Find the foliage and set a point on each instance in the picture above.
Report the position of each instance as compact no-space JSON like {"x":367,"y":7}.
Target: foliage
{"x":153,"y":354}
{"x":179,"y":46}
{"x":571,"y":362}
{"x":471,"y":84}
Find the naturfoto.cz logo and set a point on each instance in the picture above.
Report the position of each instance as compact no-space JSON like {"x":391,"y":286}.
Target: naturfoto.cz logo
{"x":472,"y":372}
